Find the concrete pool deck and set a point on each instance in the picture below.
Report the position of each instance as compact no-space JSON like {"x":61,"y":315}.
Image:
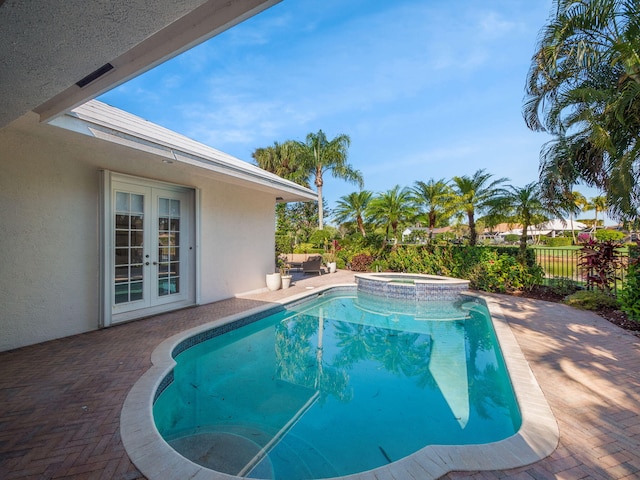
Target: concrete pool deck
{"x":60,"y":401}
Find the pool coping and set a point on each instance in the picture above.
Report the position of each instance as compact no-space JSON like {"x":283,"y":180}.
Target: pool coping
{"x":536,"y":439}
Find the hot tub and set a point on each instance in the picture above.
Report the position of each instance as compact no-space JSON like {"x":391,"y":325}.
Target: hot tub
{"x":411,"y":286}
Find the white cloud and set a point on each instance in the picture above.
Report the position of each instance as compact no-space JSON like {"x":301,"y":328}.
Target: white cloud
{"x":173,"y":81}
{"x":493,"y":25}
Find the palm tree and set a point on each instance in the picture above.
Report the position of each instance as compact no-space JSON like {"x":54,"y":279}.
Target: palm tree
{"x":473,"y":194}
{"x":434,"y":199}
{"x":578,"y":202}
{"x":520,"y":205}
{"x":599,"y":204}
{"x":281,"y":160}
{"x":558,"y":175}
{"x":583,"y":87}
{"x":352,"y":208}
{"x":319,"y":155}
{"x":391,"y":209}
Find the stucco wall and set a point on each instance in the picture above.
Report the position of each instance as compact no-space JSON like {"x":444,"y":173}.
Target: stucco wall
{"x":237,"y":241}
{"x":48,"y":286}
{"x":49,"y":194}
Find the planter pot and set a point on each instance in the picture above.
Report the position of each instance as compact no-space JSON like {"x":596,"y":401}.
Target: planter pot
{"x":286,"y":281}
{"x":274,"y":281}
{"x":332,"y":267}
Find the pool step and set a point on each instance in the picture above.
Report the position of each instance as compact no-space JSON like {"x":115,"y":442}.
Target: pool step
{"x":295,"y":458}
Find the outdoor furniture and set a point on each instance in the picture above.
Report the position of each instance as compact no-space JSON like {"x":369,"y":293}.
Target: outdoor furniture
{"x":313,"y":264}
{"x":294,"y":261}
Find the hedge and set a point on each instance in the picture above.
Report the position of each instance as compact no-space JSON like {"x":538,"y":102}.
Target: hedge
{"x":629,"y":297}
{"x":490,"y":268}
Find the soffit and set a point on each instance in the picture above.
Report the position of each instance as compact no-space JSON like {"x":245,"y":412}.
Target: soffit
{"x":104,"y":122}
{"x":47,"y":47}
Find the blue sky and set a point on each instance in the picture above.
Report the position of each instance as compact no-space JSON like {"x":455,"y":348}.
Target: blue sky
{"x":424,"y":88}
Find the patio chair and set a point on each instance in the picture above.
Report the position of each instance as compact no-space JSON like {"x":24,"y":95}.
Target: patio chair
{"x":313,"y":264}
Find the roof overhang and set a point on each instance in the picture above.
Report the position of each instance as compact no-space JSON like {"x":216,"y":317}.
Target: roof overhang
{"x":56,"y":55}
{"x":101,"y":121}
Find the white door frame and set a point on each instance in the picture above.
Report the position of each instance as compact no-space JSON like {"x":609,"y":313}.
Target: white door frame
{"x":110,"y":313}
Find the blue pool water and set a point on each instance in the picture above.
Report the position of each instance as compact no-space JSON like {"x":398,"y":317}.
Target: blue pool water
{"x":341,"y":384}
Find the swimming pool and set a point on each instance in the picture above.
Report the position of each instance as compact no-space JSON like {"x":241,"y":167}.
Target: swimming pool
{"x":306,"y":391}
{"x":329,"y":387}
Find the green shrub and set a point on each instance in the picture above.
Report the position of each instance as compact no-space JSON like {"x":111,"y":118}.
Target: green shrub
{"x":514,"y":251}
{"x":605,"y":235}
{"x":562,"y":286}
{"x":322,"y":238}
{"x":488,"y":268}
{"x":591,"y":300}
{"x":629,"y":297}
{"x":416,"y":259}
{"x":444,"y":238}
{"x":557,"y":241}
{"x":379,"y":265}
{"x":502,"y":273}
{"x":306,"y":248}
{"x":284,"y":244}
{"x":354,"y":244}
{"x":511,"y":238}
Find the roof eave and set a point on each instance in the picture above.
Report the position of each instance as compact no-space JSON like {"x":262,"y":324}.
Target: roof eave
{"x":98,"y":120}
{"x":208,"y":20}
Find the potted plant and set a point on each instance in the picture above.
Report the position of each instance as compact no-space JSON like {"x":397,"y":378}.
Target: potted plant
{"x":284,"y":275}
{"x":274,"y":281}
{"x":330,"y":258}
{"x":331,"y":264}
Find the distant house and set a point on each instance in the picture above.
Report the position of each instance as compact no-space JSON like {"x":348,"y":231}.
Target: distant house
{"x":105,"y":217}
{"x":421,"y":234}
{"x":550,"y":228}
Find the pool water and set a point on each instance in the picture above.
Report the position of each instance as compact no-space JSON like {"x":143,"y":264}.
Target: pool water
{"x":339,"y":385}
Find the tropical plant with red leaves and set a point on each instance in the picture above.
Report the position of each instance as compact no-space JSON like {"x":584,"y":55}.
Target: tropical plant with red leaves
{"x":600,"y":262}
{"x":361,"y":262}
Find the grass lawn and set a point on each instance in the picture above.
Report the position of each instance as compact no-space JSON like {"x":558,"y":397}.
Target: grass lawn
{"x":563,"y":261}
{"x":559,"y":261}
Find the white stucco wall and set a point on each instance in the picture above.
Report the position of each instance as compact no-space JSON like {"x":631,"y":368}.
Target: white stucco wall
{"x":48,"y":286}
{"x":237,"y":241}
{"x":49,"y":252}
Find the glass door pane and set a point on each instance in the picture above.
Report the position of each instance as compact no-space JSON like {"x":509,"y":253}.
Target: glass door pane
{"x":168,"y":246}
{"x":129,"y":244}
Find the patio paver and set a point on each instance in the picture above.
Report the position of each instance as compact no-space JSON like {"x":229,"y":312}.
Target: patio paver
{"x":60,"y":401}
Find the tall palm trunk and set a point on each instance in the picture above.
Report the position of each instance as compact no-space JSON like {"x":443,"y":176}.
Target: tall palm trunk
{"x":432,"y":224}
{"x":522,"y":251}
{"x":320,"y":209}
{"x":319,"y":184}
{"x":573,"y":231}
{"x":473,"y":236}
{"x":361,"y":226}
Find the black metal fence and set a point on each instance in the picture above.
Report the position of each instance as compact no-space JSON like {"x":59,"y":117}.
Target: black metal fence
{"x":562,"y":262}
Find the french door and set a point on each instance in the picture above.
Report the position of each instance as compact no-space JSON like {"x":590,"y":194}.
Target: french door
{"x":151,"y":259}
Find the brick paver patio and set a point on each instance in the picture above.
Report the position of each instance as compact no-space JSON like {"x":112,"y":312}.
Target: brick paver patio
{"x":60,"y":401}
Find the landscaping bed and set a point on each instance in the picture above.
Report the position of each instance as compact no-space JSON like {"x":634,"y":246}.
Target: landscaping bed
{"x":617,"y":317}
